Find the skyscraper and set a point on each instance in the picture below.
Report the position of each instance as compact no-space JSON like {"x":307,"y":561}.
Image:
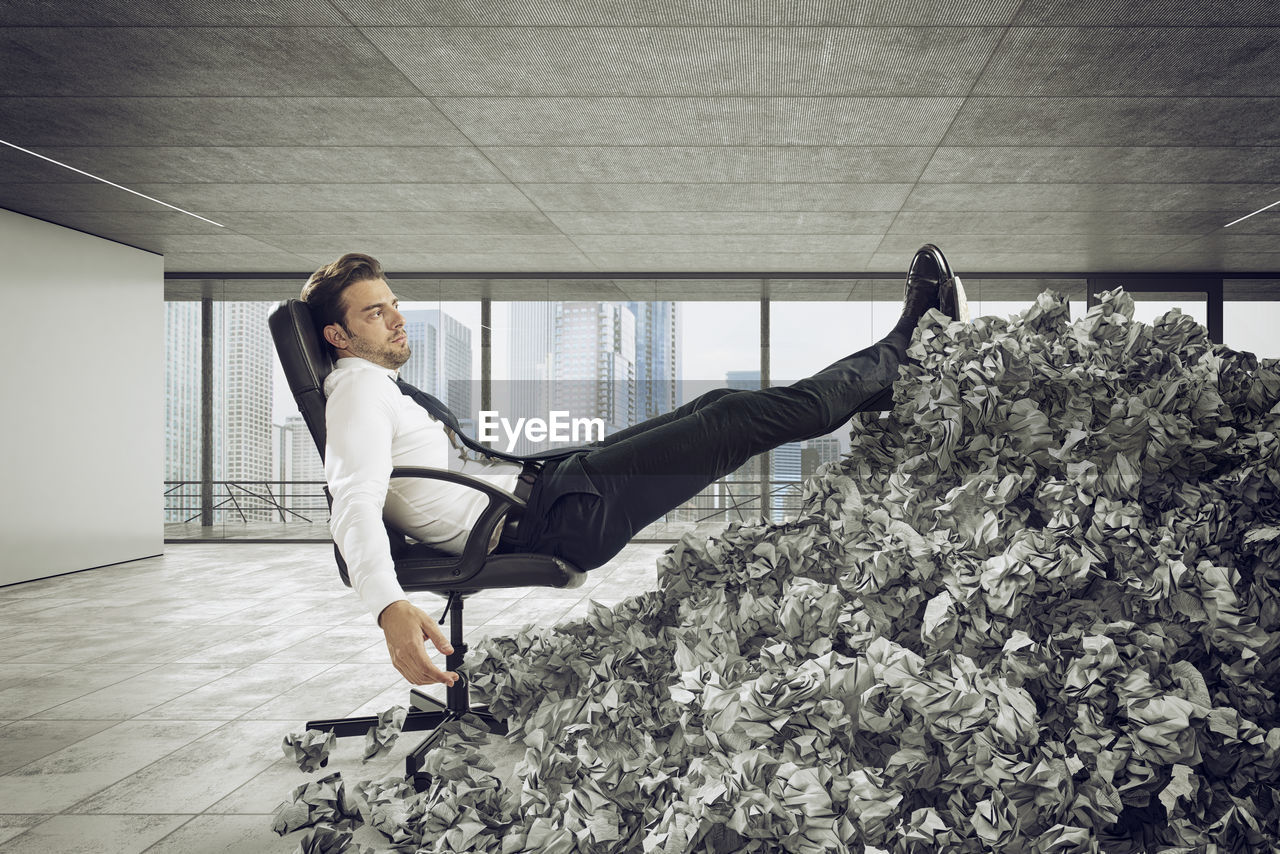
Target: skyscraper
{"x":422,"y":369}
{"x":593,"y":373}
{"x":817,"y":452}
{"x":457,"y":369}
{"x":616,"y":361}
{"x":530,"y":358}
{"x":785,"y":474}
{"x":658,"y":368}
{"x":441,"y":362}
{"x":302,"y":463}
{"x":182,"y":408}
{"x":242,"y":398}
{"x":246,"y":378}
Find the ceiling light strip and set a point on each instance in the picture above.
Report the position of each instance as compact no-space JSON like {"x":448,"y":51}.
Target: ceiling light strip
{"x":1246,"y":216}
{"x":112,"y":183}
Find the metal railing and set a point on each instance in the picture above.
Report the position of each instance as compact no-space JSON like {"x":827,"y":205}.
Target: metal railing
{"x":301,"y":503}
{"x":247,"y":500}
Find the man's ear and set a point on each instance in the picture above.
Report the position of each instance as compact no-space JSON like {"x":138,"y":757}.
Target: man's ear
{"x":336,"y":336}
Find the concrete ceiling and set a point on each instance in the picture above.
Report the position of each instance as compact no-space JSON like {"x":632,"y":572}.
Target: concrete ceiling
{"x":589,"y":136}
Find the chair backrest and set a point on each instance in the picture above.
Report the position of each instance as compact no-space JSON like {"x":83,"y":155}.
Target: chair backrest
{"x":306,"y":362}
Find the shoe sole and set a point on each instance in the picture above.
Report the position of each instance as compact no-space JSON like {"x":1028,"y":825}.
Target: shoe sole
{"x":961,"y":301}
{"x":957,"y":296}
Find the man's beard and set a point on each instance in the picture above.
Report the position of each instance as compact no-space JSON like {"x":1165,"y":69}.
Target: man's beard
{"x":388,"y":355}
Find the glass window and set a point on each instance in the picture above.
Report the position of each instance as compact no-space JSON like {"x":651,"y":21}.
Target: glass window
{"x":267,"y":477}
{"x":717,"y":346}
{"x":584,"y":369}
{"x":1148,"y":307}
{"x":444,"y":338}
{"x":805,"y":337}
{"x":1251,"y":326}
{"x":604,"y":365}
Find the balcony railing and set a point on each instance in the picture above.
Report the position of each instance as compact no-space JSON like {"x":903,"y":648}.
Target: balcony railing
{"x":297,"y":510}
{"x":287,"y":501}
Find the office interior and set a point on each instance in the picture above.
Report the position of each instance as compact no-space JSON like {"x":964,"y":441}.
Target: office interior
{"x":779,"y":158}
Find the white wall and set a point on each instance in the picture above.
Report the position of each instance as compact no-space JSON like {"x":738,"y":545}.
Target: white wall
{"x":82,"y":391}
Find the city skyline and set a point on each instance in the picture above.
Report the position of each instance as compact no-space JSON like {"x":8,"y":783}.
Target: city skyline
{"x":258,"y":435}
{"x":806,"y":335}
{"x":251,"y":422}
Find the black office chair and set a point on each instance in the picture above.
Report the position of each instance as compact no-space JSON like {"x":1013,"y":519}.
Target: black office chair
{"x":306,"y":362}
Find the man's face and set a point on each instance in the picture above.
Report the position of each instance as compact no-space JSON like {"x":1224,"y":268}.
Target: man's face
{"x":374,"y":327}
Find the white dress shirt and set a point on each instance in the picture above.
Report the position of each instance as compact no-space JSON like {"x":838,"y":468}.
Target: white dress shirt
{"x":371,"y":427}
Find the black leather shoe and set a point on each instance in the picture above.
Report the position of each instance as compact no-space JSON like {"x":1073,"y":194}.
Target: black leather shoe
{"x":932,"y":284}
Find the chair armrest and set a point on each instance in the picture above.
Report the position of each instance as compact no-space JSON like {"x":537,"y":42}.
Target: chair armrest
{"x":476,"y":548}
{"x":457,"y":477}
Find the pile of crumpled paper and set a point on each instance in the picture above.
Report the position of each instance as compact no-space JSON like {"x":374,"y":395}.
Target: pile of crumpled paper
{"x":1033,"y":610}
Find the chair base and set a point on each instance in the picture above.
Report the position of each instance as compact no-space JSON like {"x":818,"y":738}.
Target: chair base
{"x":427,"y":713}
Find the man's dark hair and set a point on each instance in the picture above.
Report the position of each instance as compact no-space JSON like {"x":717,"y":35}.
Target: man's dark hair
{"x":323,"y":291}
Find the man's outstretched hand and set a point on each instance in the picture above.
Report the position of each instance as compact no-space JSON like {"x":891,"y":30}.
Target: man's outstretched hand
{"x":407,"y":627}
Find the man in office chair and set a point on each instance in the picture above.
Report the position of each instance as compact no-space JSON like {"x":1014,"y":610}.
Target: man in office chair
{"x":584,"y":505}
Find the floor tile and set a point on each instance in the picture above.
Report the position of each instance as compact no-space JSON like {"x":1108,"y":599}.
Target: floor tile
{"x":101,"y":645}
{"x":227,"y":834}
{"x":475,"y":609}
{"x":206,"y":608}
{"x":331,"y":645}
{"x":135,"y":695}
{"x":571,"y":594}
{"x":536,"y":610}
{"x":26,"y":741}
{"x":273,"y":785}
{"x":26,"y":648}
{"x":255,"y":645}
{"x":492,"y":630}
{"x":12,"y":825}
{"x":335,"y":693}
{"x":236,"y":694}
{"x":181,"y":643}
{"x":264,"y":613}
{"x":36,"y":589}
{"x":329,"y":614}
{"x":196,"y":775}
{"x":13,"y":675}
{"x":397,"y":694}
{"x":62,"y":778}
{"x":17,"y":609}
{"x":59,"y":686}
{"x":94,"y":834}
{"x":375,"y":653}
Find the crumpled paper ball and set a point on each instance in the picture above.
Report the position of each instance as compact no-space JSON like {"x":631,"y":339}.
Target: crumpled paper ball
{"x":327,"y":840}
{"x":382,"y":736}
{"x":310,"y":749}
{"x":325,"y":801}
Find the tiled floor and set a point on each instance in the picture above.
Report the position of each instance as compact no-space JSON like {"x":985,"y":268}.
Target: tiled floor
{"x":142,"y":705}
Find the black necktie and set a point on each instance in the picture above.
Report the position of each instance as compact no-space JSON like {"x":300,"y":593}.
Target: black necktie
{"x":441,"y":413}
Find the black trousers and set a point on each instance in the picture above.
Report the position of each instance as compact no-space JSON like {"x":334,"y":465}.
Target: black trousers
{"x":585,"y":508}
